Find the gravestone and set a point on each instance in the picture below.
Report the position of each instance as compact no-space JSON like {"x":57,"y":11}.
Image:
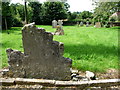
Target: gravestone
{"x":81,"y":23}
{"x":59,"y":30}
{"x":54,"y":23}
{"x":60,"y":23}
{"x":78,"y":24}
{"x":42,"y":57}
{"x":87,"y":24}
{"x":98,"y":25}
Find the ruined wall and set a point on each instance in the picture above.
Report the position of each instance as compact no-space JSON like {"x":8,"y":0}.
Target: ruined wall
{"x":42,"y":56}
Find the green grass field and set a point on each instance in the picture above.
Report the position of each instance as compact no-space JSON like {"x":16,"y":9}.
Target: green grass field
{"x":94,"y":49}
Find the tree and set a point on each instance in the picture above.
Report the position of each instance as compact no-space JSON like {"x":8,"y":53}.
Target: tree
{"x":20,"y":10}
{"x":104,"y":10}
{"x":85,"y":15}
{"x":26,"y":12}
{"x":16,"y":9}
{"x":6,"y":15}
{"x":26,"y":20}
{"x":73,"y":16}
{"x":53,"y":11}
{"x":37,"y":12}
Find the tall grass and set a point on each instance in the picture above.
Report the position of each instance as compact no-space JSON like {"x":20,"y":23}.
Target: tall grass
{"x":94,"y":49}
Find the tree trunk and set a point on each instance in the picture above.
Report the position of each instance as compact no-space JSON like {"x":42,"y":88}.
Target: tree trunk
{"x":6,"y":27}
{"x":26,"y":20}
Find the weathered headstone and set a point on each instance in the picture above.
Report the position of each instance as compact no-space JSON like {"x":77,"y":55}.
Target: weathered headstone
{"x":87,"y":24}
{"x":54,"y":23}
{"x":98,"y":25}
{"x":81,"y":23}
{"x":42,"y":57}
{"x":78,"y":24}
{"x":60,"y":23}
{"x":59,"y":30}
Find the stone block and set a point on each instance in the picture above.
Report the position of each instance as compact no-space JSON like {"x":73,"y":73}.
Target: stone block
{"x":42,"y":57}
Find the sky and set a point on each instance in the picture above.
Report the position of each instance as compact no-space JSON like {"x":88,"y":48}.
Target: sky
{"x":75,"y":5}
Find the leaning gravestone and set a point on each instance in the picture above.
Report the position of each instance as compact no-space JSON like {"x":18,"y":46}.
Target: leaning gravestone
{"x":42,"y":57}
{"x":59,"y":30}
{"x":54,"y":23}
{"x":98,"y":25}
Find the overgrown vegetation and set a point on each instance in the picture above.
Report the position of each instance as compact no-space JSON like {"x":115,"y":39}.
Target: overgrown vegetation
{"x":94,"y":49}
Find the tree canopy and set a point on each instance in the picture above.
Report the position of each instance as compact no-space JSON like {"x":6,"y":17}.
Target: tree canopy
{"x":44,"y":13}
{"x":104,"y":10}
{"x":6,"y":15}
{"x":16,"y":15}
{"x":53,"y":11}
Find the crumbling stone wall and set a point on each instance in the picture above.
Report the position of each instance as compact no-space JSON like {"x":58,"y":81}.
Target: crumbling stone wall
{"x":42,"y":57}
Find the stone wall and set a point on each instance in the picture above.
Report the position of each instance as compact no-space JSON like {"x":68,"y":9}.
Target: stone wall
{"x":38,"y":84}
{"x":42,"y":57}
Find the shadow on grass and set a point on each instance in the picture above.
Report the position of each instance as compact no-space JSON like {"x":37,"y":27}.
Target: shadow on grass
{"x":12,"y":30}
{"x":116,"y":28}
{"x":88,"y":50}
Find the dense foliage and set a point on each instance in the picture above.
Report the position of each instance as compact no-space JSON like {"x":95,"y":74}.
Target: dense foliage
{"x":104,"y":10}
{"x":15,"y":14}
{"x":36,"y":12}
{"x":6,"y":15}
{"x":44,"y":13}
{"x":53,"y":11}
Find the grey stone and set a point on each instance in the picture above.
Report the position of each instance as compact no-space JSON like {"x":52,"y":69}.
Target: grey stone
{"x":23,"y":81}
{"x":77,"y":77}
{"x":87,"y":24}
{"x":60,"y":23}
{"x":7,"y":82}
{"x":74,"y":71}
{"x":15,"y":59}
{"x":90,"y":75}
{"x":18,"y":82}
{"x":74,"y":79}
{"x":81,"y":23}
{"x":98,"y":25}
{"x":59,"y":31}
{"x":54,"y":23}
{"x":42,"y":57}
{"x":4,"y":72}
{"x":78,"y":24}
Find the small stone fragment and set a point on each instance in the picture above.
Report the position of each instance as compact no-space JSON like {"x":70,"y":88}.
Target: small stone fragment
{"x":90,"y":75}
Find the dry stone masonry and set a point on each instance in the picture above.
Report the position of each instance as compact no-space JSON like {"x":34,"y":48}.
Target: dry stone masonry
{"x":42,"y":57}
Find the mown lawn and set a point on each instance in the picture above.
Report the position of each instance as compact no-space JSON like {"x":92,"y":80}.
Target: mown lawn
{"x":94,"y":49}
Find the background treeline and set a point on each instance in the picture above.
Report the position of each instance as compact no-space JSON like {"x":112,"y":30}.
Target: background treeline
{"x":14,"y":14}
{"x":44,"y":13}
